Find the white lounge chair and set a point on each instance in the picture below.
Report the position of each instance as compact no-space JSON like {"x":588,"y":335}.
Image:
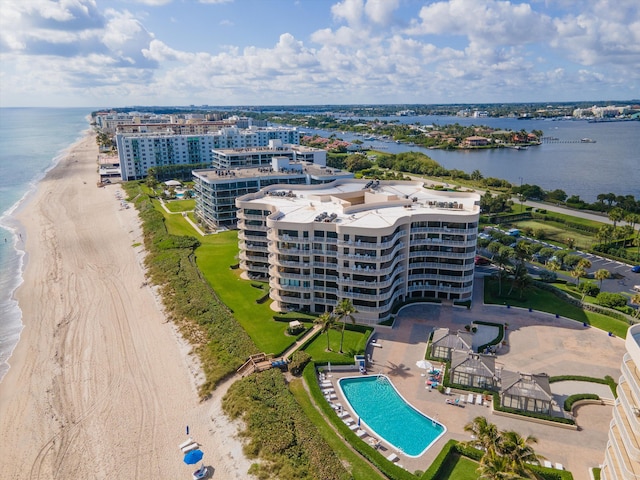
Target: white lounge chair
{"x":360,"y":433}
{"x":470,"y":399}
{"x":447,"y":391}
{"x":392,"y":457}
{"x":191,"y":446}
{"x":548,"y":464}
{"x":559,"y":466}
{"x":347,"y":421}
{"x":479,"y":399}
{"x":463,"y":399}
{"x":328,"y":390}
{"x":353,"y":427}
{"x":185,"y":443}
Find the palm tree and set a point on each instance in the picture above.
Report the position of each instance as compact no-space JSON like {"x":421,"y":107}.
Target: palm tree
{"x":344,"y":311}
{"x":578,"y":273}
{"x":635,"y":298}
{"x":605,"y":233}
{"x":615,"y":215}
{"x":519,"y":452}
{"x":601,"y":275}
{"x":486,"y":433}
{"x":502,"y":259}
{"x":326,"y":322}
{"x":495,"y":467}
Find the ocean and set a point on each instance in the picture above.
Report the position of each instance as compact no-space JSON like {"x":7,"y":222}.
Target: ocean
{"x":32,"y":140}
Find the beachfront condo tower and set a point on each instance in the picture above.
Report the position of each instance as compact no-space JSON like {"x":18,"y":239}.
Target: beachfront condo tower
{"x":622,"y":455}
{"x":376,"y":243}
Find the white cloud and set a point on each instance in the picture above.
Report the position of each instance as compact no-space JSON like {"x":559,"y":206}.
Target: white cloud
{"x":349,"y":10}
{"x":381,"y":11}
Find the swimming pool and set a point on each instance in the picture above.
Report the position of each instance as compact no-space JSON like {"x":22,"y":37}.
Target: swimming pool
{"x":386,"y":414}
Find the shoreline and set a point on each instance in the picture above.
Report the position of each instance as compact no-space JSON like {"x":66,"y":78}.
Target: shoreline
{"x":9,"y":222}
{"x":99,"y":385}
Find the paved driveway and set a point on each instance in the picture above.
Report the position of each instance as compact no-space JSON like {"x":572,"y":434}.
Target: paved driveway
{"x":537,"y":343}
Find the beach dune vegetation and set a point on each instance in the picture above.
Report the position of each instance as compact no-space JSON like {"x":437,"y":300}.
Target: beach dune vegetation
{"x":220,"y":342}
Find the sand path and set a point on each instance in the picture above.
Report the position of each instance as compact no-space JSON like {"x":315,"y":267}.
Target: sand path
{"x":99,"y":385}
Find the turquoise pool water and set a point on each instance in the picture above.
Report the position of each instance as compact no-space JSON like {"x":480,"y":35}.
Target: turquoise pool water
{"x":387,"y":415}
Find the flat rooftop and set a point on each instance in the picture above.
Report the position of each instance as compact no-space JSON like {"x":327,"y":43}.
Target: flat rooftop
{"x":365,"y":204}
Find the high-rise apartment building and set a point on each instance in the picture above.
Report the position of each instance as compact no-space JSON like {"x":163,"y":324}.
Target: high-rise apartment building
{"x":376,"y":243}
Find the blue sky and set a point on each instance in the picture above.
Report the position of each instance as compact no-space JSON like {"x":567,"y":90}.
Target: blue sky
{"x":285,"y":52}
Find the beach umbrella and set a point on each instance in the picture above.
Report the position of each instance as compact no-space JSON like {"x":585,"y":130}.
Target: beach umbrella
{"x":194,"y":456}
{"x":425,"y":364}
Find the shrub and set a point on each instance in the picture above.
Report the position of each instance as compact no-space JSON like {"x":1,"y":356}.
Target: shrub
{"x":299,"y":360}
{"x":571,"y":399}
{"x":589,"y":288}
{"x":548,"y":276}
{"x":611,"y":300}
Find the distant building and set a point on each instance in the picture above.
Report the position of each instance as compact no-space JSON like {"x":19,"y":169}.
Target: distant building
{"x":241,"y":171}
{"x":377,"y":243}
{"x":140,"y":151}
{"x":475,"y":141}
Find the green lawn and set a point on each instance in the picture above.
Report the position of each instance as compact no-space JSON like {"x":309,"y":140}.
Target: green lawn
{"x":180,"y":205}
{"x":544,"y":301}
{"x":558,"y":233}
{"x":458,"y":467}
{"x":359,"y":468}
{"x":354,"y":343}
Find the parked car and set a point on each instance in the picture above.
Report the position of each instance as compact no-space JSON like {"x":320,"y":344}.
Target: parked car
{"x":636,"y":269}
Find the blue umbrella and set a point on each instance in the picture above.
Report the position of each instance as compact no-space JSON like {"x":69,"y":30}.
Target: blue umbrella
{"x":194,"y":456}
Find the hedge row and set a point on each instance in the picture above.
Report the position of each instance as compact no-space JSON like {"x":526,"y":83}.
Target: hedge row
{"x":571,"y":399}
{"x":189,"y":301}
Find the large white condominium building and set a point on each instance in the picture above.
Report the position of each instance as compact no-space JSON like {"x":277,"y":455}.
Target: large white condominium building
{"x":375,"y":243}
{"x":246,"y":170}
{"x":140,"y":151}
{"x":622,"y":456}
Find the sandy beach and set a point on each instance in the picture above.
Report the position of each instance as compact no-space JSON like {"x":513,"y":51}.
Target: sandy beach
{"x":100,"y":386}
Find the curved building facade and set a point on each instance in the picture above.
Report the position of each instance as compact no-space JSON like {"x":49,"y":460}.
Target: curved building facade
{"x":622,"y":456}
{"x":376,"y":243}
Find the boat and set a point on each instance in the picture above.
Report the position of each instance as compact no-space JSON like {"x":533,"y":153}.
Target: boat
{"x":587,"y":140}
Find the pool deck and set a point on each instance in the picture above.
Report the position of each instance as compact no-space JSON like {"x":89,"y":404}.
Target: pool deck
{"x":537,"y":342}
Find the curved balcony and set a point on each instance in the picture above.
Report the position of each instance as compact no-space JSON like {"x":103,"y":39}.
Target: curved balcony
{"x":290,"y":288}
{"x":627,"y":402}
{"x":247,"y":216}
{"x":243,"y":235}
{"x":630,"y":372}
{"x":629,"y":468}
{"x":395,"y":267}
{"x":629,"y":439}
{"x":439,"y":288}
{"x":367,"y":284}
{"x":253,"y":268}
{"x":277,"y":295}
{"x":361,"y":244}
{"x":434,"y":253}
{"x":449,"y":243}
{"x":252,"y":258}
{"x":448,"y":266}
{"x":465,"y":231}
{"x":253,"y":247}
{"x":441,"y":278}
